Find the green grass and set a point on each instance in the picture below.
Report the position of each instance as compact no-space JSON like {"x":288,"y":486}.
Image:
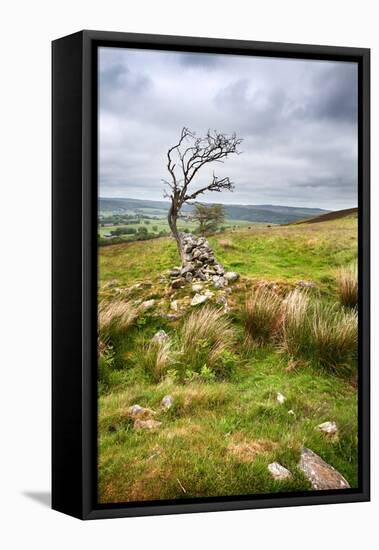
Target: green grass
{"x":222,"y":431}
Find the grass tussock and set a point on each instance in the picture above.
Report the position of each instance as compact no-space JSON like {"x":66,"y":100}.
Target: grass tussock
{"x":205,"y":338}
{"x":323,"y":333}
{"x":294,"y":333}
{"x":334,"y":336}
{"x":347,"y":285}
{"x":262,"y":315}
{"x":116,"y":315}
{"x":155,"y":358}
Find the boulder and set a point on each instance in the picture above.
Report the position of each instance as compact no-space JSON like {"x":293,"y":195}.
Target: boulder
{"x":231,"y":276}
{"x":167,"y":402}
{"x":321,"y":475}
{"x":198,"y":299}
{"x":278,"y":471}
{"x":328,"y":428}
{"x":136,"y":411}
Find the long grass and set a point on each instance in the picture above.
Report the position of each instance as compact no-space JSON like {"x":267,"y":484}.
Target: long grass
{"x":116,"y":314}
{"x":347,"y":285}
{"x":155,"y":358}
{"x":334,"y":336}
{"x":323,"y":333}
{"x":205,"y":336}
{"x":262,"y":315}
{"x":294,"y":322}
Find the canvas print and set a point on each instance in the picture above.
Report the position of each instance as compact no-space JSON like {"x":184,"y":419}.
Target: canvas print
{"x":227,"y":275}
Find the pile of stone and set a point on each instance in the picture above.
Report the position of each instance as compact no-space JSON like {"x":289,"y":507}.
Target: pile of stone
{"x":199,"y":264}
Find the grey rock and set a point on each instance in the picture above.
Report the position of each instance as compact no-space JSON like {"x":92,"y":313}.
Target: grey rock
{"x":189,"y":277}
{"x":204,"y":257}
{"x":198,"y":299}
{"x":136,"y":411}
{"x":321,"y":475}
{"x":231,"y":276}
{"x":278,"y":471}
{"x":219,"y":282}
{"x":160,"y":337}
{"x":187,"y":268}
{"x":175,"y":272}
{"x":167,"y":402}
{"x":177,"y":283}
{"x":329,"y":428}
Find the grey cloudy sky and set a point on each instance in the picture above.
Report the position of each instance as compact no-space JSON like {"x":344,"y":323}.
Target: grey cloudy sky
{"x":298,"y":120}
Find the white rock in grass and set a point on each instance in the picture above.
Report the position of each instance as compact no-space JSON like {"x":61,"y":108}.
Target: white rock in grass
{"x":278,"y":471}
{"x":291,"y":412}
{"x":136,"y":411}
{"x":167,"y":402}
{"x":280,"y":398}
{"x":198,"y":299}
{"x":231,"y":276}
{"x":160,"y":337}
{"x":329,"y":428}
{"x":148,"y":304}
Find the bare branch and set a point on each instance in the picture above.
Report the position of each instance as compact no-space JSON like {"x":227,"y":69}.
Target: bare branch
{"x":188,"y":160}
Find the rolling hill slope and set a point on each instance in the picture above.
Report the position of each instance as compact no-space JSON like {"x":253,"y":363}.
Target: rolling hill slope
{"x":329,"y":216}
{"x":265,"y":213}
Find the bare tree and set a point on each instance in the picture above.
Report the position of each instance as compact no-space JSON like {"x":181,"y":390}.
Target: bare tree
{"x":185,"y":159}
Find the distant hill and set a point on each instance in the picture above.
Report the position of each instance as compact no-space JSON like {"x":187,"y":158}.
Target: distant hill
{"x":264,"y":213}
{"x":331,"y":216}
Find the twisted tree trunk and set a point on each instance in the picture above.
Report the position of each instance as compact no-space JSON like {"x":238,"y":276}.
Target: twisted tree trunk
{"x":172,"y":222}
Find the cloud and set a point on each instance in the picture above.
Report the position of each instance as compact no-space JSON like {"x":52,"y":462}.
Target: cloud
{"x":298,"y":119}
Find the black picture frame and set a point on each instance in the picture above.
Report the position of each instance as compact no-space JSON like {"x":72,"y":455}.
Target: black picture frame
{"x":74,"y":272}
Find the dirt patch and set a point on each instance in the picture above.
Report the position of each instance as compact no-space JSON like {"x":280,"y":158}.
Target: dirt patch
{"x":245,"y":450}
{"x":182,"y":431}
{"x":151,"y":486}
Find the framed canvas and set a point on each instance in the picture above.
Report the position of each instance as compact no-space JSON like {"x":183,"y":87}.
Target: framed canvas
{"x":210,"y":274}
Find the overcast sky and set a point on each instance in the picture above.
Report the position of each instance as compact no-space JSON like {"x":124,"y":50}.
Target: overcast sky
{"x":298,"y":120}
